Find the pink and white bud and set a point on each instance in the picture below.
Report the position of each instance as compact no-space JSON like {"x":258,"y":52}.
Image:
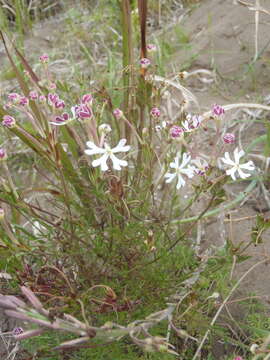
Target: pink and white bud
{"x":218,"y":110}
{"x":229,"y":138}
{"x":7,"y":106}
{"x":65,"y":116}
{"x":238,"y":358}
{"x":59,"y":104}
{"x":104,"y":129}
{"x":83,"y":111}
{"x":17,"y":331}
{"x":151,"y":47}
{"x":52,"y":86}
{"x":118,"y":113}
{"x":60,"y":120}
{"x":52,"y":98}
{"x":44,"y":58}
{"x":33,"y":95}
{"x":42,"y":98}
{"x":23,"y":101}
{"x":87,"y":99}
{"x":14,"y":97}
{"x":176,"y":131}
{"x":8,"y":121}
{"x":155,"y":112}
{"x":3,"y":154}
{"x":144,"y":62}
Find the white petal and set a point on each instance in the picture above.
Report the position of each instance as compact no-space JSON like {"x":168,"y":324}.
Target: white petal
{"x":175,"y":164}
{"x":102,"y":162}
{"x":227,"y":159}
{"x":238,"y":154}
{"x":94,"y":151}
{"x":190,"y":171}
{"x":248,"y":166}
{"x":117,"y":163}
{"x":185,"y":160}
{"x":231,"y":172}
{"x":242,"y":174}
{"x":180,"y":182}
{"x":120,"y":146}
{"x":121,"y":149}
{"x":169,"y":177}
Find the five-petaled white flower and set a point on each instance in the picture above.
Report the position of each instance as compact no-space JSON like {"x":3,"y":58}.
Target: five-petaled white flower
{"x":107,"y":153}
{"x":236,"y":166}
{"x":180,"y":169}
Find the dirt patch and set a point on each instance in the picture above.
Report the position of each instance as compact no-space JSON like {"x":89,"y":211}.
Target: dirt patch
{"x":222,"y":38}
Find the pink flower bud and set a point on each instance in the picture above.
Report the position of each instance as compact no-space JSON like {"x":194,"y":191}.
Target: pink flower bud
{"x":144,"y":62}
{"x":176,"y":131}
{"x":14,"y":97}
{"x":42,"y":98}
{"x":229,"y":138}
{"x":155,"y":112}
{"x":7,"y":106}
{"x":238,"y":358}
{"x":33,"y":95}
{"x":87,"y":99}
{"x":151,"y":47}
{"x":52,"y":98}
{"x":52,"y":86}
{"x":17,"y":331}
{"x":118,"y":113}
{"x":8,"y":121}
{"x":2,"y":213}
{"x":83,"y":111}
{"x":218,"y":110}
{"x":44,"y":58}
{"x":59,"y":119}
{"x":59,"y":104}
{"x":23,"y":101}
{"x":3,"y":154}
{"x":65,"y":116}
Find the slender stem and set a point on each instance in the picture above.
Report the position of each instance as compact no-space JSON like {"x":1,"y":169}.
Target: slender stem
{"x":216,"y":211}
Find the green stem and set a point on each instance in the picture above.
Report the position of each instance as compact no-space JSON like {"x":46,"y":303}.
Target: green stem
{"x":218,"y":210}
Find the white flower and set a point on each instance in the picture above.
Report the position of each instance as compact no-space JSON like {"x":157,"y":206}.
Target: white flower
{"x":107,"y":153}
{"x":236,"y":166}
{"x":180,"y":170}
{"x":192,"y":122}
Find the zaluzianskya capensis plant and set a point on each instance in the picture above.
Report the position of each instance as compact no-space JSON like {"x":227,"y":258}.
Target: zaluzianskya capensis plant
{"x":120,"y":179}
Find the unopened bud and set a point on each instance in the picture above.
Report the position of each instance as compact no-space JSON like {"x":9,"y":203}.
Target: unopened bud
{"x":104,"y":129}
{"x":229,"y":138}
{"x":118,"y":113}
{"x":145,"y":63}
{"x":155,"y":112}
{"x":3,"y":154}
{"x":8,"y":121}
